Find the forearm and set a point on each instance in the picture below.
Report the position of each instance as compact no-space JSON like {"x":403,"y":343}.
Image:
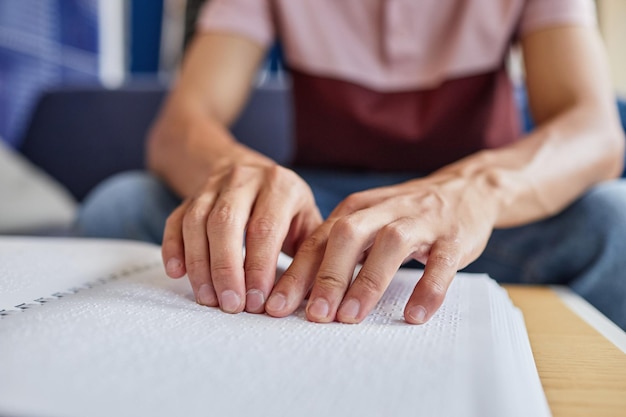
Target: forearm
{"x":577,"y":143}
{"x":190,"y":138}
{"x":549,"y":168}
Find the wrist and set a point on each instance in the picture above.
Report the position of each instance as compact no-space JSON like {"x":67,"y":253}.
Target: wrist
{"x":234,"y":154}
{"x":493,"y":188}
{"x":497,"y":189}
{"x":184,"y":147}
{"x":501,"y":184}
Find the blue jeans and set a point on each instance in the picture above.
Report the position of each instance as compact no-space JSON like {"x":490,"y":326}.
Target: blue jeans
{"x":584,"y":246}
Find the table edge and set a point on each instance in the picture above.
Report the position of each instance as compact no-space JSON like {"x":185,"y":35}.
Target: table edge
{"x":591,"y":316}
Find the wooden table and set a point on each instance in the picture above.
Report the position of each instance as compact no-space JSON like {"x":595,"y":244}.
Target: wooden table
{"x":582,"y":372}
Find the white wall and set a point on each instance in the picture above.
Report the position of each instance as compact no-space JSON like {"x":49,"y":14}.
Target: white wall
{"x":612,"y":16}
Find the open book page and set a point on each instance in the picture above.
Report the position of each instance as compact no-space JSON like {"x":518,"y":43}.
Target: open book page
{"x":135,"y":343}
{"x":31,"y":268}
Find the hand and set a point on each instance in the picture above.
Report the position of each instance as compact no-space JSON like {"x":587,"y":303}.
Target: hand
{"x":267,"y":203}
{"x":443,"y":221}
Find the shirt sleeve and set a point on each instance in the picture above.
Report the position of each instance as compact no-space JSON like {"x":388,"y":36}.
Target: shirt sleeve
{"x":540,"y":14}
{"x":249,"y":18}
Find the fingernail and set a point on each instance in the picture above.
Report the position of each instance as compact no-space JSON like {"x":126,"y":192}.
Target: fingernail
{"x":173,"y":266}
{"x":276,"y":302}
{"x":417,"y":314}
{"x":254,"y":301}
{"x":206,"y":296}
{"x":230,"y":301}
{"x":350,"y":309}
{"x":319,"y":308}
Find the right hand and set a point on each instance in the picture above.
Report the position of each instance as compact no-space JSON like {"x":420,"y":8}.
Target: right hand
{"x":268,"y":204}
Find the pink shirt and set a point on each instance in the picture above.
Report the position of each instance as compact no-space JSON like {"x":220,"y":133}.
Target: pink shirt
{"x":396,"y":84}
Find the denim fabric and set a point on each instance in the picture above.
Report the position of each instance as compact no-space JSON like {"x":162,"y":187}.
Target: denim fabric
{"x":583,"y":247}
{"x":131,"y":205}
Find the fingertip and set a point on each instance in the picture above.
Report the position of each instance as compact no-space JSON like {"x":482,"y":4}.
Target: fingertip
{"x":231,"y":302}
{"x":431,"y":289}
{"x":416,"y":314}
{"x":349,"y":311}
{"x":426,"y":299}
{"x":206,"y":296}
{"x":318,"y":311}
{"x":255,"y":301}
{"x":276,"y":305}
{"x":174,"y":268}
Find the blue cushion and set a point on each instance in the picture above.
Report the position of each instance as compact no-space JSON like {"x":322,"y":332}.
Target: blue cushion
{"x":81,"y":136}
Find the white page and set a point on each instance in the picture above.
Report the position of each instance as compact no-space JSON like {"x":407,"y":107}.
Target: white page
{"x":139,"y":345}
{"x":31,"y":268}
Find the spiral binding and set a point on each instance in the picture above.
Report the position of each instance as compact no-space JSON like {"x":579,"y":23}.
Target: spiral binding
{"x":124,"y":273}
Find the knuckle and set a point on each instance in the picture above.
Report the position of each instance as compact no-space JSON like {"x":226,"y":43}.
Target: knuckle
{"x":262,"y":228}
{"x":196,"y":213}
{"x":222,"y":271}
{"x":284,"y":181}
{"x":351,"y":203}
{"x":289,"y":279}
{"x":435,"y":288}
{"x":197,"y":265}
{"x":397,"y":235}
{"x":327,"y":280}
{"x":445,"y":260}
{"x":313,"y":244}
{"x":255,"y":265}
{"x":276,"y":173}
{"x":238,"y":175}
{"x":370,"y":283}
{"x":221,"y":215}
{"x":347,"y":227}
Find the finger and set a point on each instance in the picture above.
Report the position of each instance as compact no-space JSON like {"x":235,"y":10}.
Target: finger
{"x":294,"y":284}
{"x":348,"y":238}
{"x":225,"y":229}
{"x":269,"y":224}
{"x":172,"y":248}
{"x":283,"y":216}
{"x":392,"y":245}
{"x":196,"y":247}
{"x":428,"y":295}
{"x":303,"y":225}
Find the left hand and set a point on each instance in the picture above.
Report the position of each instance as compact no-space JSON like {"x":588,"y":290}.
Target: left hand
{"x":443,"y":221}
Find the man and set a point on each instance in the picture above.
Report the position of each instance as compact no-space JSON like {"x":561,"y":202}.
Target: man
{"x":407,"y":139}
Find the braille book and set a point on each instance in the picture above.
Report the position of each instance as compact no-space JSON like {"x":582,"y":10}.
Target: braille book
{"x":95,"y":328}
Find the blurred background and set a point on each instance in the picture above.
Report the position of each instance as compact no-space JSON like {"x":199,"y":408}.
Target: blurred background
{"x":80,"y":83}
{"x":48,"y":43}
{"x":81,"y":80}
{"x":45,"y":43}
